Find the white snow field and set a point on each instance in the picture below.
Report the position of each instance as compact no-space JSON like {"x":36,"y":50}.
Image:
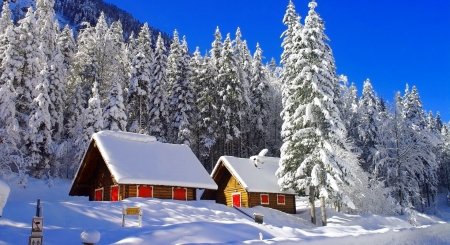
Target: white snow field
{"x":200,"y":222}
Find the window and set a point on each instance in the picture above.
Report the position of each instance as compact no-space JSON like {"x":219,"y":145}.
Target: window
{"x":115,"y":193}
{"x":264,"y":198}
{"x":179,"y":193}
{"x":145,"y":191}
{"x":280,"y":199}
{"x":98,"y":194}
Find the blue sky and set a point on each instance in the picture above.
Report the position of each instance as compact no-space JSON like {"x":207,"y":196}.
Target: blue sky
{"x":390,"y":42}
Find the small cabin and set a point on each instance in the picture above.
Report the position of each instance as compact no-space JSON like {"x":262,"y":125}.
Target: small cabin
{"x":249,"y":182}
{"x":119,"y":165}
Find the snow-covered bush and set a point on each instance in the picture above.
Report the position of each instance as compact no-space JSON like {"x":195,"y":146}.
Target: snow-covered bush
{"x":4,"y":193}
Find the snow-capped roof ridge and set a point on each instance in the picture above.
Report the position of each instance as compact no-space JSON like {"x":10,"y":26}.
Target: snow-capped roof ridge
{"x":256,"y":174}
{"x":127,"y":136}
{"x":134,"y":158}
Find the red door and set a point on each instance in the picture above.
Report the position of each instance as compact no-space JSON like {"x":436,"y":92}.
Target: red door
{"x":99,"y":194}
{"x":115,"y":193}
{"x":179,"y":194}
{"x":236,"y":200}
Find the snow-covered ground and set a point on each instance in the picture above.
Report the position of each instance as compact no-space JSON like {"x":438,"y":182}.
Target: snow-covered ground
{"x":201,"y":222}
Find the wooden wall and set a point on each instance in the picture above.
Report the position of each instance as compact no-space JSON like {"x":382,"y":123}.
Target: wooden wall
{"x":288,"y":207}
{"x":161,"y":192}
{"x":228,"y":185}
{"x":101,"y":178}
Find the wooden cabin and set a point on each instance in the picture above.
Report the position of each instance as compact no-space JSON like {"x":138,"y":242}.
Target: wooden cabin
{"x":119,"y":165}
{"x":244,"y":182}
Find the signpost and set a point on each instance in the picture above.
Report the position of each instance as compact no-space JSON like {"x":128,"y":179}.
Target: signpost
{"x":37,"y":226}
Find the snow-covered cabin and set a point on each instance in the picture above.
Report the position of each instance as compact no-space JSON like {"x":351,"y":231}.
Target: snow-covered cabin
{"x":118,"y":165}
{"x":249,"y":182}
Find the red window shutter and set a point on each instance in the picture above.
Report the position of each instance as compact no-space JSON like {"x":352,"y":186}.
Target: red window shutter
{"x":145,"y":191}
{"x":115,"y":193}
{"x":264,"y":198}
{"x":179,"y":194}
{"x":99,"y":195}
{"x":281,"y":199}
{"x":236,"y":200}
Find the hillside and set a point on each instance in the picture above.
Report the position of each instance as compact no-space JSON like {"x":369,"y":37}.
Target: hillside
{"x":179,"y":222}
{"x":74,"y":12}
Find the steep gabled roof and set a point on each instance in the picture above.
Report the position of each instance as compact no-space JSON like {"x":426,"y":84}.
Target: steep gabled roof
{"x":259,"y":177}
{"x":140,"y":159}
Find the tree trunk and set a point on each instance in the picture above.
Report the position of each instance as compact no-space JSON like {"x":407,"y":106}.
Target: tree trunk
{"x":311,"y":204}
{"x":324,"y":211}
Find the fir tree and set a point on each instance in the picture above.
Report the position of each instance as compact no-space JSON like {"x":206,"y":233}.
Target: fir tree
{"x":38,"y":138}
{"x":367,"y":125}
{"x":158,"y":104}
{"x":141,"y":76}
{"x":259,"y":101}
{"x":181,"y":96}
{"x":314,"y":154}
{"x":114,"y":116}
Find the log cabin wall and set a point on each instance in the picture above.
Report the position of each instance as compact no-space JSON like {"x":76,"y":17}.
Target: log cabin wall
{"x":288,"y":207}
{"x":228,"y":185}
{"x":161,"y":192}
{"x":101,"y":179}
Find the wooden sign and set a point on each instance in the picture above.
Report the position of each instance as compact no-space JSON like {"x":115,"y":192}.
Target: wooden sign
{"x":35,"y":240}
{"x":37,"y":226}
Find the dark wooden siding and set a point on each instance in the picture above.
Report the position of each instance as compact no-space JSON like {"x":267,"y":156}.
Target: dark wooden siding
{"x":161,"y":192}
{"x":288,"y":207}
{"x":101,"y":178}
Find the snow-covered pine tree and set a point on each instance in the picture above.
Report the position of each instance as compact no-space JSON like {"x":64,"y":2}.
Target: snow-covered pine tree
{"x":404,"y":158}
{"x":259,"y":101}
{"x":39,"y":138}
{"x":114,"y":116}
{"x":139,"y":87}
{"x":5,"y":23}
{"x":244,"y":62}
{"x":121,"y":65}
{"x":367,"y":126}
{"x":56,"y":76}
{"x":75,"y":139}
{"x":158,"y":104}
{"x":92,"y":115}
{"x":349,"y":111}
{"x":415,"y":118}
{"x":315,"y":154}
{"x":84,"y":68}
{"x":203,"y":80}
{"x":275,"y":108}
{"x":180,"y":92}
{"x":67,"y":46}
{"x":292,"y":38}
{"x":29,"y":63}
{"x":231,"y":93}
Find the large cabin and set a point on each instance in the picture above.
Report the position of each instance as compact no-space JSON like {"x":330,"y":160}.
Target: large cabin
{"x":249,"y":182}
{"x":119,"y":165}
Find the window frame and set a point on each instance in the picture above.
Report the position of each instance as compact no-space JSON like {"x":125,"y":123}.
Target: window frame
{"x":137,"y":191}
{"x":185,"y":193}
{"x":284,"y":199}
{"x":261,"y":199}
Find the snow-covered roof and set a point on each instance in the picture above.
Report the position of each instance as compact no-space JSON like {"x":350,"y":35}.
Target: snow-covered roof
{"x":258,"y":177}
{"x":140,"y":159}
